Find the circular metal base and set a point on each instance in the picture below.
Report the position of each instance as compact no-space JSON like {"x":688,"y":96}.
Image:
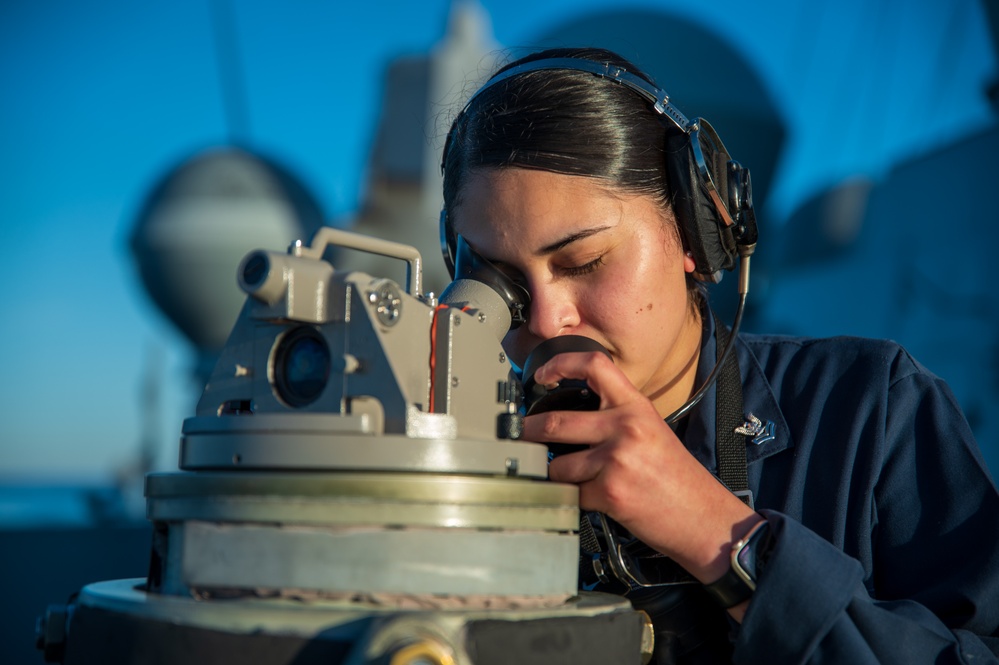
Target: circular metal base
{"x":116,"y":623}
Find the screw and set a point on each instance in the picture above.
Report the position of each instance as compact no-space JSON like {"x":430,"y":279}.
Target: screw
{"x":648,"y":638}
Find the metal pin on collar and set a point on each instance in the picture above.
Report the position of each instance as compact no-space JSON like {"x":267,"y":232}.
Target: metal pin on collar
{"x":760,"y":431}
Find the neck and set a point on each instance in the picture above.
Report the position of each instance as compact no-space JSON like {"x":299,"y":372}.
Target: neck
{"x":672,"y":395}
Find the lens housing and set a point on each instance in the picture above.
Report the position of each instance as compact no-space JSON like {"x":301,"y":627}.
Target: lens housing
{"x":301,"y":366}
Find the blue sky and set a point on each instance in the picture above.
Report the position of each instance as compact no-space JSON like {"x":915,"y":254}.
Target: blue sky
{"x":99,"y":99}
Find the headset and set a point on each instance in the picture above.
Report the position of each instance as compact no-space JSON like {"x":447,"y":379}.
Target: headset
{"x":712,"y":193}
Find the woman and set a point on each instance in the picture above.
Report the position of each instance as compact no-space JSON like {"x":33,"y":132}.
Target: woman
{"x":874,"y":524}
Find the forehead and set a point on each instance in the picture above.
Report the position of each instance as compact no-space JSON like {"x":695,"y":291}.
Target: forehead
{"x":541,"y":203}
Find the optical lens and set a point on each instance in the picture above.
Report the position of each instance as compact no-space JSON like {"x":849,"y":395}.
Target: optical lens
{"x":302,"y":366}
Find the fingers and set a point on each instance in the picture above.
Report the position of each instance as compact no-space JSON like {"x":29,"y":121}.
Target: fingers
{"x":582,"y":427}
{"x":630,"y":439}
{"x":620,"y":402}
{"x":578,"y":430}
{"x":625,"y":448}
{"x":615,"y":473}
{"x":599,"y":372}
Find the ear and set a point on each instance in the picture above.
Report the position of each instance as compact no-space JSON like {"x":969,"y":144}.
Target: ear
{"x":688,"y":262}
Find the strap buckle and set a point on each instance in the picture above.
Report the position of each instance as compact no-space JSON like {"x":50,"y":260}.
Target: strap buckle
{"x":746,"y":496}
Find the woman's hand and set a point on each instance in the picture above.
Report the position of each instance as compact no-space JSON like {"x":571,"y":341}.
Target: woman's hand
{"x":632,"y":467}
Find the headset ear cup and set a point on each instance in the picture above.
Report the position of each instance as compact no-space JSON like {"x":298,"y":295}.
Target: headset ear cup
{"x":693,"y":213}
{"x":679,"y":183}
{"x":448,"y":242}
{"x":708,"y":237}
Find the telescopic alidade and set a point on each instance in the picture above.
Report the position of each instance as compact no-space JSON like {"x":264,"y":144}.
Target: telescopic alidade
{"x":352,"y":490}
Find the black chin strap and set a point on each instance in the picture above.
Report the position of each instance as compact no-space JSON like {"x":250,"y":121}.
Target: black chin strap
{"x":730,"y":447}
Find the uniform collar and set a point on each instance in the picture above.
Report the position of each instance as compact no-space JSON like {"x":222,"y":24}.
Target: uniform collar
{"x":757,"y":398}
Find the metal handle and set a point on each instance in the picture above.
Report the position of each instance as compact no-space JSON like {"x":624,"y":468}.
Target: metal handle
{"x":327,"y":236}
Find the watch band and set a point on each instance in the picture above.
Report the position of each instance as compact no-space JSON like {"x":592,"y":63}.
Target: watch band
{"x":747,"y":559}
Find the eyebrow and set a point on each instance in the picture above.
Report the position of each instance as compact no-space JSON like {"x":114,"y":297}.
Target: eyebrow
{"x":569,"y":239}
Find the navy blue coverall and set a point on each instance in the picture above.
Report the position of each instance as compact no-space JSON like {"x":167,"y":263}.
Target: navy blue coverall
{"x":885,"y":516}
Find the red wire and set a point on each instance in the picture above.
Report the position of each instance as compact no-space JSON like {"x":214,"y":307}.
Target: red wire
{"x":433,"y":355}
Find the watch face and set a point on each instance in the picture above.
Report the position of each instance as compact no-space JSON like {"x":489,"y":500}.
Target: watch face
{"x":745,"y":566}
{"x":749,"y":559}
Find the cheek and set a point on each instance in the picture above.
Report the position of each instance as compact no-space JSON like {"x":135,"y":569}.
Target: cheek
{"x":633,"y":289}
{"x":650,"y":298}
{"x":606,"y":309}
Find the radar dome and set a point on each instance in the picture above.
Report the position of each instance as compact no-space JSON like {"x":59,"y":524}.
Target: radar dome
{"x":197,"y":224}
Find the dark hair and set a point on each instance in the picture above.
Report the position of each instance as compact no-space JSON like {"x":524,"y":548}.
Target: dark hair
{"x":563,"y":121}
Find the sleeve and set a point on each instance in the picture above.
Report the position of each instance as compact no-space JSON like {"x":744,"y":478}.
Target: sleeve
{"x":932,"y":594}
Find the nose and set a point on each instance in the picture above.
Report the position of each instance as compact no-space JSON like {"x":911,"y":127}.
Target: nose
{"x":553,"y":311}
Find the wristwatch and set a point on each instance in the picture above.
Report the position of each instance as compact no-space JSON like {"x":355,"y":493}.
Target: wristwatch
{"x":749,"y":555}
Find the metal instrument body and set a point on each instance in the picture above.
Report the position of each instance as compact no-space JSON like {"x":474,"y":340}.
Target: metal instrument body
{"x":351,"y":490}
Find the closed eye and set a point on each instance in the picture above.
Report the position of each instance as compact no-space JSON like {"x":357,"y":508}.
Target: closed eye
{"x":585,"y":269}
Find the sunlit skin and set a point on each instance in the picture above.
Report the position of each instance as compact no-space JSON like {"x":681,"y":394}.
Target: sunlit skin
{"x":606,"y":264}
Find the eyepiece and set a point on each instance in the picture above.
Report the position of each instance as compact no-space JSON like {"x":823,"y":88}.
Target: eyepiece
{"x":255,"y":269}
{"x":262,"y":275}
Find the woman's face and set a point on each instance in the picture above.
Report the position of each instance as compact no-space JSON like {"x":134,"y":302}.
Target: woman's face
{"x":597,"y":263}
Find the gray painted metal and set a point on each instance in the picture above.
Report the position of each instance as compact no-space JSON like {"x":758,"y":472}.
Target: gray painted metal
{"x":369,"y":560}
{"x":371,"y":469}
{"x":326,"y":451}
{"x":392,"y":500}
{"x":405,"y":533}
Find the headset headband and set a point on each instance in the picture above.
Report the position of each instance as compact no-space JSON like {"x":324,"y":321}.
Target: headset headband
{"x":656,"y":96}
